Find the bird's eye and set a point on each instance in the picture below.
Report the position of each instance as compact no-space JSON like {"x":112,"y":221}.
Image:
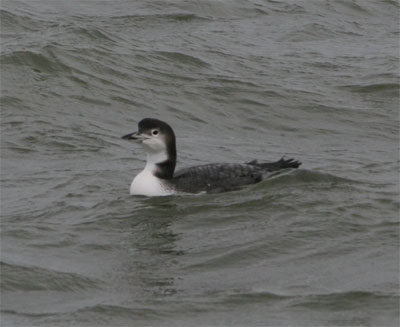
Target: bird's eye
{"x":154,"y":132}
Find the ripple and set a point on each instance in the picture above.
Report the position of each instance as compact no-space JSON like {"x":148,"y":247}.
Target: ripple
{"x":374,"y":88}
{"x":345,"y":300}
{"x":180,"y":57}
{"x":39,"y":62}
{"x":28,"y":278}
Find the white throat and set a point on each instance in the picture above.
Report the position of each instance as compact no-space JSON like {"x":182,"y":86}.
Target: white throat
{"x":146,"y":183}
{"x":154,"y":158}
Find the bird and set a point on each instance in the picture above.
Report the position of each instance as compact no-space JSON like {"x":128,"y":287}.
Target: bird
{"x":159,"y":178}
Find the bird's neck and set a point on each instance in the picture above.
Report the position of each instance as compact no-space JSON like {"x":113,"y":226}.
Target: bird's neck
{"x":161,"y":164}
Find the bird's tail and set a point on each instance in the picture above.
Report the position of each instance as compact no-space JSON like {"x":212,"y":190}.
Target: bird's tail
{"x":277,"y":165}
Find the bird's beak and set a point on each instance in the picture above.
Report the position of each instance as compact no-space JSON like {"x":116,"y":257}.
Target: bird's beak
{"x":136,"y":136}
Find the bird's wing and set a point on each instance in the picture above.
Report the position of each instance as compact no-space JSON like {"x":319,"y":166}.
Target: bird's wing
{"x":214,"y":178}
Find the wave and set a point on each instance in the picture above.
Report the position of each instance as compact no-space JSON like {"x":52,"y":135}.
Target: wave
{"x":336,"y":299}
{"x":374,"y":88}
{"x":29,"y":278}
{"x":345,"y":300}
{"x":12,"y":22}
{"x":158,"y":18}
{"x":182,"y":58}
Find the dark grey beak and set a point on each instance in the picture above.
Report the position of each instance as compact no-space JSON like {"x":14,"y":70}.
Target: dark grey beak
{"x":131,"y":136}
{"x":136,"y":136}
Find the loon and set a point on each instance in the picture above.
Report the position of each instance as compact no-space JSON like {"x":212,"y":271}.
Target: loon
{"x":158,"y":178}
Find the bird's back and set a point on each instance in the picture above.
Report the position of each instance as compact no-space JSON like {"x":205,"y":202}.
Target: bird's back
{"x":215,"y":178}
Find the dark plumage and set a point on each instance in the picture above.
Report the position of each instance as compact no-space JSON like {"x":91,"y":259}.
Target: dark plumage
{"x":215,"y":178}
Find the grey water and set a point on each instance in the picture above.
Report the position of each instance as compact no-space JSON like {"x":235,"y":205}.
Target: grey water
{"x":237,"y":80}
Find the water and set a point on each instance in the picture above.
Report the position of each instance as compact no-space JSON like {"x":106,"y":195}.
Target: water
{"x":237,"y":80}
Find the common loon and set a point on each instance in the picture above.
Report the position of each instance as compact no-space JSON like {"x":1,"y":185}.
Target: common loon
{"x":158,"y":177}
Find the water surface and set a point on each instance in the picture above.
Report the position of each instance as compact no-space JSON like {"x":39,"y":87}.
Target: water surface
{"x":237,"y":80}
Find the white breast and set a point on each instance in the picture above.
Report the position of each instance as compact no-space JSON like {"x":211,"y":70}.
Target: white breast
{"x":147,"y":184}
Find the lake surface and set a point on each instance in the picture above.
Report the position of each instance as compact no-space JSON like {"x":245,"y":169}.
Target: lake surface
{"x":237,"y":80}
